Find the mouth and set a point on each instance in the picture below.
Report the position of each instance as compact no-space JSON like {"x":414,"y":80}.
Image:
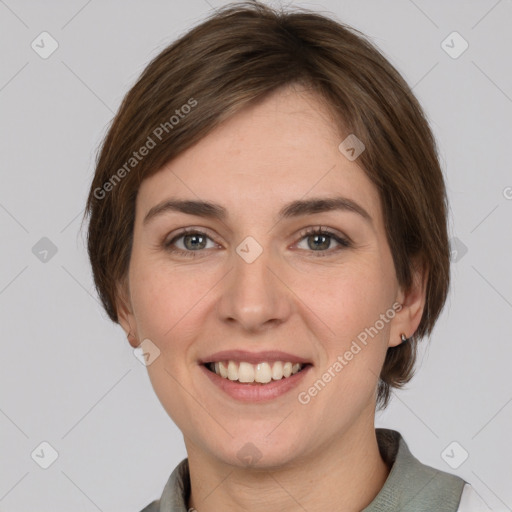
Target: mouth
{"x":262,"y":373}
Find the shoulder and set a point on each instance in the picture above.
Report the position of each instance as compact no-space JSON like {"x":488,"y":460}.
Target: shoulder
{"x":470,"y":501}
{"x":412,"y":486}
{"x":176,"y":491}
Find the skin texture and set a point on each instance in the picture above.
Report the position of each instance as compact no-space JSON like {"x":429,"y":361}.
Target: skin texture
{"x":294,"y":297}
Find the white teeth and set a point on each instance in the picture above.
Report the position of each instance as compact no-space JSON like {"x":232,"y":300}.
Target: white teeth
{"x":232,"y":370}
{"x":277,"y":370}
{"x":262,"y":372}
{"x":246,"y":372}
{"x":223,"y":370}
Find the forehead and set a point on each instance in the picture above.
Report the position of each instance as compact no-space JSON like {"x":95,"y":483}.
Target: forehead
{"x":283,"y":148}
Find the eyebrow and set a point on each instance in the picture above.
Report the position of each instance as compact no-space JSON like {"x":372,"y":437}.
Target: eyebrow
{"x":294,"y":209}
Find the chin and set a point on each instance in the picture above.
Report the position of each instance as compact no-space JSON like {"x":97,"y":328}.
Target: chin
{"x":258,"y":452}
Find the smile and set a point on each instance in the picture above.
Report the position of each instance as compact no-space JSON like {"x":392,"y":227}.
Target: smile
{"x":262,"y":373}
{"x":252,"y":391}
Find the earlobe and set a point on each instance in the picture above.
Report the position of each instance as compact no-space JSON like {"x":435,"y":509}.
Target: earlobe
{"x":134,"y":342}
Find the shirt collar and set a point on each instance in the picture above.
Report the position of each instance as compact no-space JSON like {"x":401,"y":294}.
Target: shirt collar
{"x":404,"y":489}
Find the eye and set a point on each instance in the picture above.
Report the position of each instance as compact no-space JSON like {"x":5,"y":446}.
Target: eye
{"x":319,"y":240}
{"x":188,"y":242}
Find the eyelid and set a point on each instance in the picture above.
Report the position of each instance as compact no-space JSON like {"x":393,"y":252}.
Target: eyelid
{"x":190,"y":230}
{"x":342,"y":240}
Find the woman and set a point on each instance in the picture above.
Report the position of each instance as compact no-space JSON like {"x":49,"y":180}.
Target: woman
{"x":268,"y":225}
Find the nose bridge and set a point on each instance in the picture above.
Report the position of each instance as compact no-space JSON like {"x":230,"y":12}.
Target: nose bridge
{"x":253,"y":296}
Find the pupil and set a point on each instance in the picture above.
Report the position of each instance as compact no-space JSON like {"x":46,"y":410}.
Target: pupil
{"x":324,"y":245}
{"x":194,"y":245}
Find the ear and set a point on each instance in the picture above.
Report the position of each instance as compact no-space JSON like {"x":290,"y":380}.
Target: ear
{"x":125,"y":314}
{"x":408,"y":318}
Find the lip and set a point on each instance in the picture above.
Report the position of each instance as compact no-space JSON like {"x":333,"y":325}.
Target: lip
{"x":247,"y":392}
{"x":269,"y":356}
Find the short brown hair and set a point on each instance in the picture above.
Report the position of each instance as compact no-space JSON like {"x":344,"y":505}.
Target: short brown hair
{"x":238,"y":55}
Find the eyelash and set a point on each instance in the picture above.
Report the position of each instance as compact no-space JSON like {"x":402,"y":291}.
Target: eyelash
{"x":344,"y":243}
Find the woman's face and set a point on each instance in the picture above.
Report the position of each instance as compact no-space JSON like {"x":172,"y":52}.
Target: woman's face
{"x":259,"y":280}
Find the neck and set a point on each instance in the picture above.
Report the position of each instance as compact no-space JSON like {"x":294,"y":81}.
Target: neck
{"x":349,"y":472}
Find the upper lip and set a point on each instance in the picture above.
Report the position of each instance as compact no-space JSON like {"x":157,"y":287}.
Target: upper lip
{"x":253,"y":357}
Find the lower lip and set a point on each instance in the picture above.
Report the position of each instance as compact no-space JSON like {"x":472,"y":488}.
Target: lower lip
{"x":256,"y":392}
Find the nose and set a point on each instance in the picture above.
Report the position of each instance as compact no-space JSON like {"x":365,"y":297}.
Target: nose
{"x":255,"y":296}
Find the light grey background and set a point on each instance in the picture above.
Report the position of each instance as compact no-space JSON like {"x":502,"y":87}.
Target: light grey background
{"x":69,"y":377}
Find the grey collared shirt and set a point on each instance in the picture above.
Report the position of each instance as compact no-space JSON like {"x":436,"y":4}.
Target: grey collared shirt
{"x":410,"y":487}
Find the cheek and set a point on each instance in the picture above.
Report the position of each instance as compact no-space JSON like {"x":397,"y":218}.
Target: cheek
{"x":351,"y":303}
{"x":348,"y":298}
{"x":167,"y":304}
{"x":163,"y":298}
